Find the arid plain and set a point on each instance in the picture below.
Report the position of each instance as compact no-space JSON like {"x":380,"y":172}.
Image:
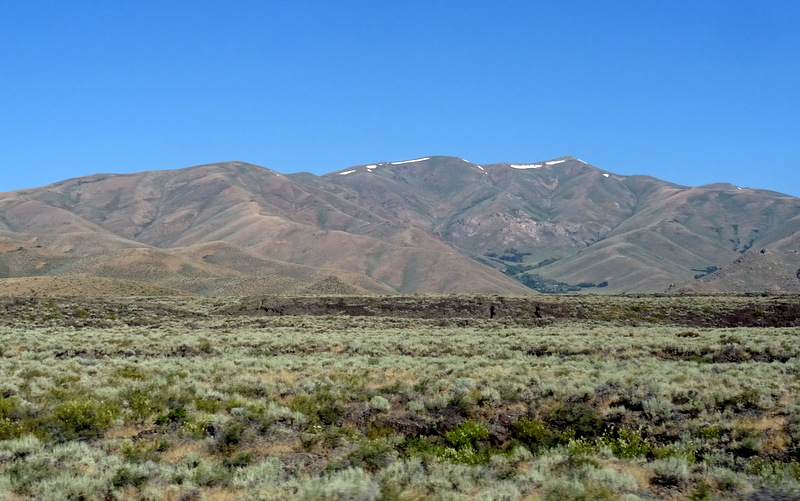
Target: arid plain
{"x":400,"y":397}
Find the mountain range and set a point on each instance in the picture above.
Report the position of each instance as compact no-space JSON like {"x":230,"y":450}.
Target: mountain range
{"x":427,"y":225}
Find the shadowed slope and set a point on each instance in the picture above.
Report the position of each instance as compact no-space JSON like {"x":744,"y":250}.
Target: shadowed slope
{"x":569,"y":221}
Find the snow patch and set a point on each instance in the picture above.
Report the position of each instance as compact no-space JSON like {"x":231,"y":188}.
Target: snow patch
{"x":526,"y":166}
{"x":370,"y":167}
{"x":481,"y":168}
{"x":553,"y":162}
{"x":605,"y":175}
{"x":346,"y":172}
{"x":410,"y":161}
{"x":738,"y":188}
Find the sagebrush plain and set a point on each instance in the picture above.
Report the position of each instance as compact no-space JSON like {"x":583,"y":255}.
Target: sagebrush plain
{"x":400,"y":398}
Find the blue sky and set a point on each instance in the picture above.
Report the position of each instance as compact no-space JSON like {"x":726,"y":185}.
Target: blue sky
{"x":688,"y":91}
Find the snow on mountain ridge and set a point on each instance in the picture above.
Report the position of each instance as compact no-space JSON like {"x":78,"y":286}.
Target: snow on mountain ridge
{"x":411,"y":161}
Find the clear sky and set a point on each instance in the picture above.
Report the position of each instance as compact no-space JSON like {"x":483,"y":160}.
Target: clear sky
{"x":692,"y":92}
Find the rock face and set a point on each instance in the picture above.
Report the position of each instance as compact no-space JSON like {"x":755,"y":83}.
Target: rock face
{"x":756,"y":310}
{"x":436,"y":224}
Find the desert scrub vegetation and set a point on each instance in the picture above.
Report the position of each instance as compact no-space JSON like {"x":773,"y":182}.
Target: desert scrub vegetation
{"x":185,"y":402}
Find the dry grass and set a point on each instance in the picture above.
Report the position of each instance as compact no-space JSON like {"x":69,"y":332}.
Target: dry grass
{"x":81,"y":286}
{"x":180,"y":450}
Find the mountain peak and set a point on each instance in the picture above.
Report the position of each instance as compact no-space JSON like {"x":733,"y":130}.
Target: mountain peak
{"x":440,"y":161}
{"x":425,"y":224}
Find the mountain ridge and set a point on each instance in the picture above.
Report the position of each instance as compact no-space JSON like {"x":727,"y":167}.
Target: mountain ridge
{"x":432,"y":224}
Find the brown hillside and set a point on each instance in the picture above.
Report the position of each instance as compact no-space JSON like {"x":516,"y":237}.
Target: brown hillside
{"x":81,"y":286}
{"x":428,"y":225}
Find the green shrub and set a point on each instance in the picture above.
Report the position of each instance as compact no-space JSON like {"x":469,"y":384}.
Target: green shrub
{"x":468,"y":433}
{"x":373,"y":455}
{"x":625,"y":443}
{"x":9,"y":429}
{"x":199,"y":427}
{"x":128,"y":476}
{"x":582,"y":447}
{"x":9,"y":414}
{"x":620,"y":442}
{"x":331,"y":437}
{"x":320,"y":407}
{"x":8,"y":406}
{"x":680,"y":451}
{"x":711,"y":432}
{"x":142,"y":451}
{"x":377,"y":430}
{"x":176,"y":415}
{"x":466,"y":444}
{"x":205,"y":346}
{"x":140,"y":404}
{"x":82,"y":419}
{"x":577,"y":420}
{"x":417,"y":446}
{"x":210,"y":405}
{"x":461,"y":455}
{"x":533,"y":434}
{"x":130,"y":372}
{"x":239,"y":460}
{"x":745,"y":400}
{"x":775,"y":471}
{"x":229,"y":437}
{"x":208,"y":474}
